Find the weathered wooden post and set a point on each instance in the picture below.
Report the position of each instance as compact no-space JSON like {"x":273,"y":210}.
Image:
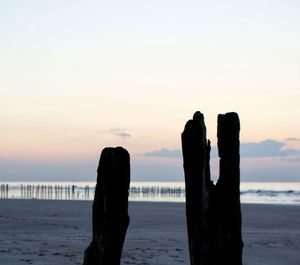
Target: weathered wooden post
{"x":227,"y":217}
{"x":213,"y":211}
{"x":110,"y":208}
{"x":196,"y":149}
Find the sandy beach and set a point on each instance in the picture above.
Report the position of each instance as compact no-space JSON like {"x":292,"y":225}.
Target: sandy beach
{"x":57,"y":232}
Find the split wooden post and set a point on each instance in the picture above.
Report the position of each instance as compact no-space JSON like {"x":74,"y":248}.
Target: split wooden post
{"x":213,"y":211}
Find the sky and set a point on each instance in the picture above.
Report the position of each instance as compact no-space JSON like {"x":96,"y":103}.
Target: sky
{"x":77,"y":76}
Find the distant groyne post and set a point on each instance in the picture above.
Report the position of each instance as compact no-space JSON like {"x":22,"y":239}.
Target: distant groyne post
{"x":213,"y":211}
{"x":110,"y":208}
{"x":4,"y":191}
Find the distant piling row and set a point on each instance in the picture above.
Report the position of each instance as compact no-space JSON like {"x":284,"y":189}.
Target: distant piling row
{"x":73,"y":192}
{"x":56,"y":192}
{"x":4,"y":191}
{"x":156,"y":191}
{"x":45,"y":192}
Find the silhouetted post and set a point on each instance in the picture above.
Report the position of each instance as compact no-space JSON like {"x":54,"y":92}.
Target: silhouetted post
{"x":110,"y":208}
{"x":227,"y":217}
{"x":196,"y":149}
{"x":86,"y":192}
{"x":37,"y":192}
{"x":213,"y":211}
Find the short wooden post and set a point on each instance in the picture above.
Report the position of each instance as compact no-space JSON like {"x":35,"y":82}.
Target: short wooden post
{"x":110,"y":208}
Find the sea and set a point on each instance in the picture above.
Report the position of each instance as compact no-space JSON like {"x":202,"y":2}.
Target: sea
{"x":251,"y":192}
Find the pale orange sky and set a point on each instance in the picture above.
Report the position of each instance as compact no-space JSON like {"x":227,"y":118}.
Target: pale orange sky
{"x":79,"y":76}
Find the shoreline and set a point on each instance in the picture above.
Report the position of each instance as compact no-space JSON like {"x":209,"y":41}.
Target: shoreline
{"x":58,"y":231}
{"x":155,"y":201}
{"x":254,"y":192}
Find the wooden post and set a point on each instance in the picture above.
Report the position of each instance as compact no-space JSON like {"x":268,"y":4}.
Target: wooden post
{"x":196,"y":149}
{"x":110,"y":208}
{"x":213,"y":211}
{"x":227,"y":217}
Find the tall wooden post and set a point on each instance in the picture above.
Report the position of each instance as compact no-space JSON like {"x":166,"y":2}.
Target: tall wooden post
{"x":196,"y":149}
{"x":110,"y":208}
{"x":227,"y":217}
{"x":213,"y":211}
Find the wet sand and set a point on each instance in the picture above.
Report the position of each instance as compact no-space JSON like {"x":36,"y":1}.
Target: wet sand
{"x":57,"y":232}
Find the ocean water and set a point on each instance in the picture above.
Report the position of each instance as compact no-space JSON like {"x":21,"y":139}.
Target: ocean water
{"x":251,"y":192}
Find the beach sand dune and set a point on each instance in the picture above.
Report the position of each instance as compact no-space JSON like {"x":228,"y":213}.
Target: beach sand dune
{"x":57,"y":232}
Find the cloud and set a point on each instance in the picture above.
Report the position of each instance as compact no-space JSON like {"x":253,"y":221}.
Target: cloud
{"x":164,"y":152}
{"x":173,"y":153}
{"x":120,"y":133}
{"x":123,"y":135}
{"x":267,"y":148}
{"x":292,"y":139}
{"x":292,"y":159}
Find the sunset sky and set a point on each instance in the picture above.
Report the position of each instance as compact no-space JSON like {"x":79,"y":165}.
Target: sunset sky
{"x":77,"y":76}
